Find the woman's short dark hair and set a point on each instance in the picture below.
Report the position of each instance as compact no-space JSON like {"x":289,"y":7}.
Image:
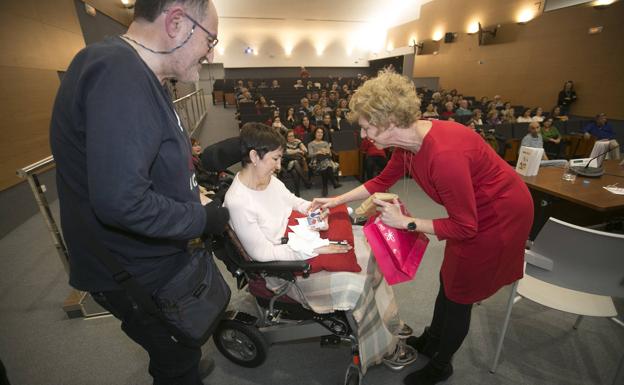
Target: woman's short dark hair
{"x":259,"y":137}
{"x":150,"y":9}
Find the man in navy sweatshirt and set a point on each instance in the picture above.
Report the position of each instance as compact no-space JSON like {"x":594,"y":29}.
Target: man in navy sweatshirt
{"x":124,"y":164}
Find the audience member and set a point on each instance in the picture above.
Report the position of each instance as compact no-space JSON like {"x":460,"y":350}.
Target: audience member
{"x":508,"y":113}
{"x":526,"y":117}
{"x":601,"y":129}
{"x":476,"y":117}
{"x":375,"y":159}
{"x":304,"y":73}
{"x":492,"y":118}
{"x":298,"y":84}
{"x":294,"y":159}
{"x":551,"y":138}
{"x":321,"y":162}
{"x":566,"y":97}
{"x":558,"y":115}
{"x":328,"y":123}
{"x":305,"y":130}
{"x":430,"y":112}
{"x":463,"y":108}
{"x":290,"y":121}
{"x":538,"y":117}
{"x":304,"y":108}
{"x":448,"y":109}
{"x":533,"y":138}
{"x":275,"y":84}
{"x":498,"y":103}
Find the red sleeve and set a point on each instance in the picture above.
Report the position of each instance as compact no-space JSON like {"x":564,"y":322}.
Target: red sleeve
{"x":395,"y":169}
{"x":454,"y":186}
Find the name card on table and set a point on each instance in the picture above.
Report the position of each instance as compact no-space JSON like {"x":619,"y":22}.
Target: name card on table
{"x":529,"y":160}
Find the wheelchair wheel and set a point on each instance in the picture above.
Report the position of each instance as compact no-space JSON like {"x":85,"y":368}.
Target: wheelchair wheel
{"x":241,"y":343}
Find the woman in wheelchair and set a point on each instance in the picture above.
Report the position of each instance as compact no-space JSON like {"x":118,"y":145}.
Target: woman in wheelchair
{"x":260,"y":206}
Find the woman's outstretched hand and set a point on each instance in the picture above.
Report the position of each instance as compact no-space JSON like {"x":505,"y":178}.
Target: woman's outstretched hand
{"x":323,"y":203}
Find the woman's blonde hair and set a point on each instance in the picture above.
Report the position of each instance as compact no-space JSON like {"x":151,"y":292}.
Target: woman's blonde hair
{"x":388,"y":98}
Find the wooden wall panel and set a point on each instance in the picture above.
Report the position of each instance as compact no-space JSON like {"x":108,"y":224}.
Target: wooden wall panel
{"x":25,"y":118}
{"x":113,"y":9}
{"x":531,"y":70}
{"x":38,"y":38}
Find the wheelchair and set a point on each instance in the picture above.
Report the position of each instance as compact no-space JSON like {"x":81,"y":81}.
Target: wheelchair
{"x":245,"y":338}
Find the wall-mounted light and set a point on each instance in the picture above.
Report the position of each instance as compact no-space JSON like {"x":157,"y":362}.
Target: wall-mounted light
{"x":128,"y":3}
{"x":288,"y":49}
{"x":438,"y":35}
{"x":525,"y":16}
{"x":320,"y":48}
{"x":602,"y":4}
{"x":473,"y":28}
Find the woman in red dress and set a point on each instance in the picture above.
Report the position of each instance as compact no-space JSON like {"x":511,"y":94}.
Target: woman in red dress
{"x":490,"y":210}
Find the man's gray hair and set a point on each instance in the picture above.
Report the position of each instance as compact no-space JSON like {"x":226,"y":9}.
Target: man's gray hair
{"x":150,"y":9}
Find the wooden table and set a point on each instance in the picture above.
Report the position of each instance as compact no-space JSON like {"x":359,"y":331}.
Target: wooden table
{"x":584,"y":191}
{"x":583,"y":202}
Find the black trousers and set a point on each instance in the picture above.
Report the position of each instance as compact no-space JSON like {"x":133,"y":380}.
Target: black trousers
{"x":171,"y":363}
{"x":450,"y":324}
{"x":373,"y":165}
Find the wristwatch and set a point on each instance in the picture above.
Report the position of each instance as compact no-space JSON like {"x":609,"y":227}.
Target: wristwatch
{"x":411,"y":226}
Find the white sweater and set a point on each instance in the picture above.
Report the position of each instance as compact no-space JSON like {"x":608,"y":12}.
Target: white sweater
{"x":259,"y":218}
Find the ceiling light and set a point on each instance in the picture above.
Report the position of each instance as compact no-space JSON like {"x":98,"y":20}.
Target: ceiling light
{"x":249,"y":50}
{"x":128,"y":3}
{"x":438,"y":35}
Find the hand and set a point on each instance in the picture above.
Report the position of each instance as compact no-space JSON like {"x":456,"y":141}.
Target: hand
{"x":323,"y":203}
{"x":333,"y":249}
{"x":586,"y":135}
{"x":391,"y":214}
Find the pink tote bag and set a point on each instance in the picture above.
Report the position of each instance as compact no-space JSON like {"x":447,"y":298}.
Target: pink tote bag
{"x":398,"y":252}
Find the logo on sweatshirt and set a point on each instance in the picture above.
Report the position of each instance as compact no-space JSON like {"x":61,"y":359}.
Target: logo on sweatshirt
{"x":193,"y":182}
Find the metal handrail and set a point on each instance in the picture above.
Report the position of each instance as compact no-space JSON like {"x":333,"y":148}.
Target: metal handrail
{"x":192,"y":110}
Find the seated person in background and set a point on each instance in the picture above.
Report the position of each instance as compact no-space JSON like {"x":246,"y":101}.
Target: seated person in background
{"x":492,"y":118}
{"x":239,"y":88}
{"x":375,"y":160}
{"x":324,"y":106}
{"x":343,"y":108}
{"x":463,"y":108}
{"x":305,"y":131}
{"x":298,"y":84}
{"x":539,"y":115}
{"x":262,"y":103}
{"x":476,"y":117}
{"x":484,"y":102}
{"x":328,"y":123}
{"x":448,"y":109}
{"x":278,"y":126}
{"x":290,"y":121}
{"x":601,"y":129}
{"x":245,"y":96}
{"x":309,"y":85}
{"x":526,"y":117}
{"x":498,"y":102}
{"x":430,"y":112}
{"x":204,"y":178}
{"x":332,"y":100}
{"x":533,"y":138}
{"x":260,"y":206}
{"x":507,"y":113}
{"x":317,"y":115}
{"x":263,"y":84}
{"x":304,"y":74}
{"x":345,"y":91}
{"x":251,"y":86}
{"x":305,"y":109}
{"x":551,"y":138}
{"x":295,"y":158}
{"x":557,"y":114}
{"x":275,"y":84}
{"x":321,"y":162}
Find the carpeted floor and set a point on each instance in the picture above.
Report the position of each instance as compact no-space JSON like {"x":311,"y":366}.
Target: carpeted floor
{"x":40,"y":346}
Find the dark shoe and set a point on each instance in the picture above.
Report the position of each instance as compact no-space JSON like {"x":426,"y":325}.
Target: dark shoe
{"x":325,"y":192}
{"x":337,"y":185}
{"x":426,"y":344}
{"x":430,"y":374}
{"x":206,"y":366}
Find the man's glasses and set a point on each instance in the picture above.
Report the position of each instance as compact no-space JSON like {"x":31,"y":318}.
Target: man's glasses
{"x":213,"y":39}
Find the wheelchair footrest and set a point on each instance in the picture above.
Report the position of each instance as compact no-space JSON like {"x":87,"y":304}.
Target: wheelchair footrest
{"x":330,"y":341}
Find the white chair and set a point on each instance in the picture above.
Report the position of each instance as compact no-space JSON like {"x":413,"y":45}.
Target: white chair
{"x":571,"y":269}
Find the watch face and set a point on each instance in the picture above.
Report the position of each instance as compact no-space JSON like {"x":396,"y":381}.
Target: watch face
{"x":411,"y":226}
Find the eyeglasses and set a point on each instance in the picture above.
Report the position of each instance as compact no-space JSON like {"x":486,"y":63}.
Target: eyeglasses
{"x":213,"y":39}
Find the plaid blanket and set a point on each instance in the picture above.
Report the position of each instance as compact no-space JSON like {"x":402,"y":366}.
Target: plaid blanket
{"x":366,"y":294}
